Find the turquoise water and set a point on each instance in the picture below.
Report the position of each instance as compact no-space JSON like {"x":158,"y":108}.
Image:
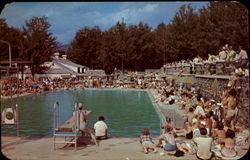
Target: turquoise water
{"x":126,"y":112}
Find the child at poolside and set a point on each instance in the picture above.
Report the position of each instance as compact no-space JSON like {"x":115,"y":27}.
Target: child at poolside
{"x":146,"y":141}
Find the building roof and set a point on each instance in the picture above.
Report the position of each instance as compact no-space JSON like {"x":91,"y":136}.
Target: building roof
{"x":61,"y":70}
{"x":67,"y":62}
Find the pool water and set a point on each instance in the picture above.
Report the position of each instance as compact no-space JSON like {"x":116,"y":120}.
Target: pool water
{"x":126,"y":112}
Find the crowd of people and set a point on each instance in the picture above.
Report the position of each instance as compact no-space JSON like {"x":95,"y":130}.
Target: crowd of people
{"x":210,"y":128}
{"x":30,"y":85}
{"x":226,"y":54}
{"x":14,"y":86}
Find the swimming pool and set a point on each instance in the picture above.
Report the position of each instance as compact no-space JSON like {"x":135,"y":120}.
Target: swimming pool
{"x":126,"y":112}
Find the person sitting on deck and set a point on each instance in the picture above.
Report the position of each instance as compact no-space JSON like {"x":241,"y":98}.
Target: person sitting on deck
{"x":215,"y":121}
{"x":190,"y":115}
{"x":243,"y":138}
{"x":219,"y":134}
{"x":204,"y":144}
{"x":208,"y":120}
{"x":101,"y":129}
{"x":186,"y":147}
{"x":195,"y":128}
{"x":169,"y":124}
{"x":187,"y":132}
{"x":228,"y":149}
{"x":167,"y":140}
{"x":199,"y":111}
{"x":83,"y":124}
{"x":146,"y":141}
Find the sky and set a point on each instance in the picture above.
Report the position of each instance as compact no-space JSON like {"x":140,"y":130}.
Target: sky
{"x":66,"y":18}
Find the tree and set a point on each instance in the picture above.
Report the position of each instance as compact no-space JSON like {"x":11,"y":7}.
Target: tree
{"x":231,"y":21}
{"x":160,"y":43}
{"x":85,"y":48}
{"x":182,"y":37}
{"x":120,"y":33}
{"x":136,"y":47}
{"x":37,"y":43}
{"x":11,"y":35}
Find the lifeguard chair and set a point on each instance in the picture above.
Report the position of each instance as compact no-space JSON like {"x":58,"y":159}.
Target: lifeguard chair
{"x":70,"y":129}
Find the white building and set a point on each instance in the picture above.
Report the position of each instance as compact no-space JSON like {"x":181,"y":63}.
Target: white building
{"x":64,"y":68}
{"x":59,"y":68}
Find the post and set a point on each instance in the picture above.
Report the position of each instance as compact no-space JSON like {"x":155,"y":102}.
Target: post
{"x":22,"y":71}
{"x":58,"y":115}
{"x":9,"y":55}
{"x":54,"y":118}
{"x":54,"y":125}
{"x":17,"y":120}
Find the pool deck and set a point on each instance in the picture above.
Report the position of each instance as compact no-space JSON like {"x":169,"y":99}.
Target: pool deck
{"x":31,"y":147}
{"x":35,"y":147}
{"x":115,"y":148}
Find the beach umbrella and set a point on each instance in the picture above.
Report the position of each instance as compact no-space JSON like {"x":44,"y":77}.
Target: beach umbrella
{"x":163,"y":76}
{"x":188,"y":80}
{"x":175,"y":77}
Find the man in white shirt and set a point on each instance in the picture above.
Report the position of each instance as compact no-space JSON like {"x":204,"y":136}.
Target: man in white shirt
{"x":204,"y":144}
{"x":101,"y":129}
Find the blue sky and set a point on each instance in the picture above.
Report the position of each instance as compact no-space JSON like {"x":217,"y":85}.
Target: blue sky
{"x":66,"y":18}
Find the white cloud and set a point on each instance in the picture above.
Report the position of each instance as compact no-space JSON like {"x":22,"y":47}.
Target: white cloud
{"x":148,"y":8}
{"x":66,"y":18}
{"x":130,"y":15}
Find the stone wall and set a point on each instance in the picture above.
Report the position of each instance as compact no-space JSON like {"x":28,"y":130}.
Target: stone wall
{"x":220,"y":67}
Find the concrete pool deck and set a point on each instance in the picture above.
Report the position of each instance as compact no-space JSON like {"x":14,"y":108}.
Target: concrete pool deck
{"x":42,"y":148}
{"x":35,"y":147}
{"x":115,"y":148}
